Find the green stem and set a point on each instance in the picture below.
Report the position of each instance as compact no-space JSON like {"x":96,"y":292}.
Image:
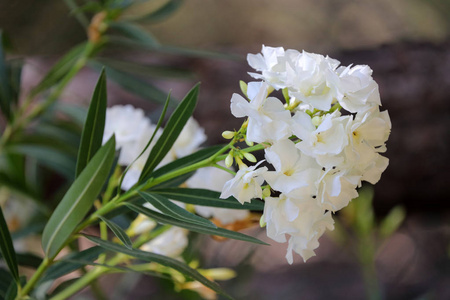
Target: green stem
{"x":81,"y":283}
{"x":34,"y":279}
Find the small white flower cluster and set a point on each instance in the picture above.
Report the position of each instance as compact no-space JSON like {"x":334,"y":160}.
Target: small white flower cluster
{"x":133,"y":130}
{"x":319,"y":155}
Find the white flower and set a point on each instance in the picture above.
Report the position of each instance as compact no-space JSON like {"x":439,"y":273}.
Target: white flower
{"x":214,"y":179}
{"x":293,"y":171}
{"x":272,"y":65}
{"x":304,"y":221}
{"x":246,"y":185}
{"x":336,"y":189}
{"x":268,"y":118}
{"x":128,"y":124}
{"x":361,"y":91}
{"x":324,"y":142}
{"x":190,"y":138}
{"x":170,"y":243}
{"x":312,"y":78}
{"x":314,"y":222}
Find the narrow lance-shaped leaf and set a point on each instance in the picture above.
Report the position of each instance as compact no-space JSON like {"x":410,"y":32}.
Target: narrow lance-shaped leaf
{"x":134,"y":32}
{"x":160,"y":259}
{"x":171,"y":209}
{"x":133,"y":84}
{"x":7,"y":248}
{"x":59,"y":70}
{"x":5,"y":90}
{"x":193,"y":227}
{"x":92,"y":136}
{"x":171,"y":132}
{"x":207,"y":198}
{"x":119,"y":232}
{"x":155,"y":131}
{"x":78,"y":200}
{"x":186,"y":161}
{"x":162,"y":12}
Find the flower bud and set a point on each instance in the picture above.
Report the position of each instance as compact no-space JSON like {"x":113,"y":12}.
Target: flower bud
{"x":316,"y":121}
{"x":250,"y":157}
{"x":240,"y":163}
{"x":228,"y":134}
{"x":266,"y":192}
{"x":262,"y":222}
{"x":243,"y":87}
{"x":229,"y":160}
{"x":250,"y":144}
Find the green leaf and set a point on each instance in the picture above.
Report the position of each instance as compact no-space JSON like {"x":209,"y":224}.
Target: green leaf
{"x":119,"y":232}
{"x":186,"y":161}
{"x":78,"y":200}
{"x":5,"y":281}
{"x":59,"y":70}
{"x":207,"y":198}
{"x":65,"y":265}
{"x":170,"y":209}
{"x":134,"y":33}
{"x":171,"y":132}
{"x":7,"y":248}
{"x":193,"y":227}
{"x":133,"y":84}
{"x":392,"y":221}
{"x":155,"y":131}
{"x":161,"y":13}
{"x":145,"y":70}
{"x":28,"y":260}
{"x":179,"y":51}
{"x":92,"y":136}
{"x":55,"y":159}
{"x":5,"y":90}
{"x":160,"y":259}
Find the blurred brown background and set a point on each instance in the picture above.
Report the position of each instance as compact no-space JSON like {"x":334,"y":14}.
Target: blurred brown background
{"x":406,"y":42}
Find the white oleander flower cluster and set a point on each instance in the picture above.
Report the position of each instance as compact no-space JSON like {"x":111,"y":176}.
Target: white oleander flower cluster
{"x":321,"y":142}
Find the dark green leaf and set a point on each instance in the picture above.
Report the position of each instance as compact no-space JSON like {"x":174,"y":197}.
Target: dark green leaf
{"x":207,"y":198}
{"x":145,"y":70}
{"x":58,"y":161}
{"x":65,"y":265}
{"x":5,"y":90}
{"x":118,"y":232}
{"x":117,"y":268}
{"x":160,"y":259}
{"x":186,"y":161}
{"x":59,"y":70}
{"x":28,"y":260}
{"x":78,"y":199}
{"x":155,"y":131}
{"x":162,"y":12}
{"x":7,"y":248}
{"x":136,"y":45}
{"x":171,"y":132}
{"x":92,"y":136}
{"x":193,"y":227}
{"x":74,"y":112}
{"x":5,"y":281}
{"x":134,"y":33}
{"x":133,"y":84}
{"x":170,"y":209}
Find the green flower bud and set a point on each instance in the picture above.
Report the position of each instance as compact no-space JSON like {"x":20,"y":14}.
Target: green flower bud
{"x":243,"y":87}
{"x":228,"y":134}
{"x":250,"y":157}
{"x":229,"y":160}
